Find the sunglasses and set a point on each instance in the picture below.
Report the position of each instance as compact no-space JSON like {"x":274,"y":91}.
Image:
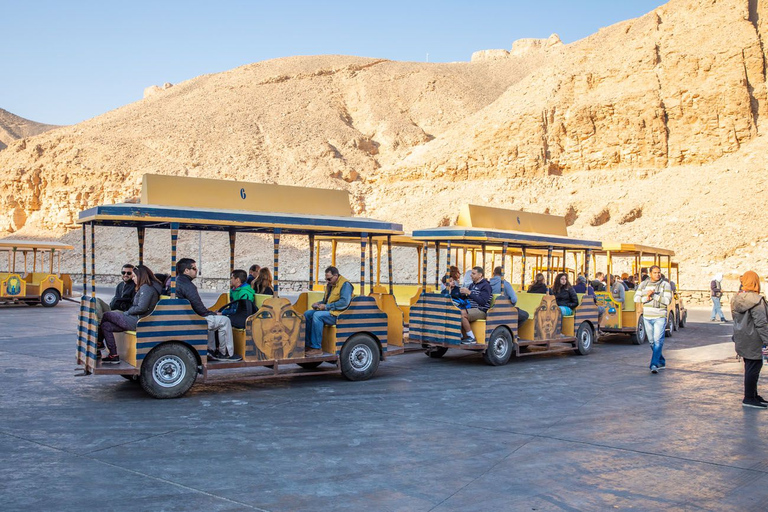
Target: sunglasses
{"x":193,"y":268}
{"x":126,"y":273}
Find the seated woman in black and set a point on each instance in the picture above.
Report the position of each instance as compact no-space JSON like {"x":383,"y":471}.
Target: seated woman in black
{"x":539,"y":286}
{"x":262,"y":285}
{"x":565,"y":295}
{"x":147,"y":295}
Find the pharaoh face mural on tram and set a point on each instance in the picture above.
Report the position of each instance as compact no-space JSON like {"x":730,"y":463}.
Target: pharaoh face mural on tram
{"x":276,"y":330}
{"x":547,"y":319}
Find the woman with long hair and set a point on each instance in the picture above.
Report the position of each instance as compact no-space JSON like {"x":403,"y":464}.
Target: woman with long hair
{"x":263,"y":284}
{"x":539,"y":285}
{"x":564,"y":294}
{"x":147,"y":295}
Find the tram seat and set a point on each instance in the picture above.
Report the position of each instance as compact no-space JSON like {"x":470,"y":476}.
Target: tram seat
{"x":260,"y":298}
{"x":36,"y":277}
{"x":238,"y":337}
{"x":528,"y":302}
{"x":629,"y":301}
{"x":478,"y":329}
{"x":222,"y":301}
{"x":305,"y":300}
{"x":126,"y":346}
{"x":329,"y":339}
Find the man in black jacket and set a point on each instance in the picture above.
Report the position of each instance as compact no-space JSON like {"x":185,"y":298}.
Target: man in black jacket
{"x":125,"y":290}
{"x":479,"y":295}
{"x":186,"y":271}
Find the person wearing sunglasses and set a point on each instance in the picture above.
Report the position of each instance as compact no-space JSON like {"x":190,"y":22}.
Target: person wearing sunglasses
{"x":125,"y":290}
{"x":338,"y":294}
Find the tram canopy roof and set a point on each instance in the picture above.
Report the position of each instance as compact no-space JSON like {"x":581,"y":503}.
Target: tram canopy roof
{"x":631,"y":250}
{"x":479,"y":236}
{"x":226,"y":205}
{"x":7,"y":244}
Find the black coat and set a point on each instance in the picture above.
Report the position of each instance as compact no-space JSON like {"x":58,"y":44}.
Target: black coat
{"x":123,"y":296}
{"x":185,"y":289}
{"x":567,"y":297}
{"x":537,"y":288}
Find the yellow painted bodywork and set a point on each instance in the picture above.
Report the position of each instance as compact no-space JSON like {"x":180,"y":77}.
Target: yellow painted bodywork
{"x":476,"y":216}
{"x":478,"y":329}
{"x":126,"y":346}
{"x":183,"y":191}
{"x":387,"y":304}
{"x":238,"y":337}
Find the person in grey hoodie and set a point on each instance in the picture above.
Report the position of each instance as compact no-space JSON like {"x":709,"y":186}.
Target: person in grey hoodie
{"x":750,"y":334}
{"x":499,"y":285}
{"x":144,"y":302}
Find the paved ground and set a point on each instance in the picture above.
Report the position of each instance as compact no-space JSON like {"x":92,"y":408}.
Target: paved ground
{"x":543,"y":433}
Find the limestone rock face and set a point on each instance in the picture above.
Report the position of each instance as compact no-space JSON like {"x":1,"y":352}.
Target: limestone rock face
{"x":13,"y":127}
{"x":484,"y":55}
{"x":154,"y":89}
{"x":522,"y":46}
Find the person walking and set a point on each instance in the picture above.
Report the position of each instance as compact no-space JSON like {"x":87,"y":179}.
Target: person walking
{"x":655,"y":294}
{"x":715,"y":292}
{"x":750,"y":334}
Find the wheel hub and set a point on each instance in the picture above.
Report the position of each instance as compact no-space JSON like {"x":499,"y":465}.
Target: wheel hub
{"x":169,"y":371}
{"x":500,"y":347}
{"x":361,"y":357}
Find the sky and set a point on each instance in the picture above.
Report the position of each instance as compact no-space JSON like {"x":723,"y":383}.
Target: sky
{"x":65,"y":62}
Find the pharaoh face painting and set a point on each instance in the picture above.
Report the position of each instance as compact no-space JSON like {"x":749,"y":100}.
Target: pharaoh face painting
{"x":275,"y":330}
{"x":13,"y":286}
{"x":547,"y":319}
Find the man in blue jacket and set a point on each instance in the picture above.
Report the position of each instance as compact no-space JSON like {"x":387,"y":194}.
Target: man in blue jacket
{"x":479,"y":296}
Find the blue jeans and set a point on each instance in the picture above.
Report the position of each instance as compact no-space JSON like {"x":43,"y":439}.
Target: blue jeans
{"x":565,"y":310}
{"x":716,"y":309}
{"x":654,"y":327}
{"x":314,"y":327}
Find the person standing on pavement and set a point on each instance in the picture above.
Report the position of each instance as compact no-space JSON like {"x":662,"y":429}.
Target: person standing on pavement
{"x":716,"y":291}
{"x":750,"y":334}
{"x":655,"y":294}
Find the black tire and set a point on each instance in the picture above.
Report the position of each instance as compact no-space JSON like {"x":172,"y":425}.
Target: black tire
{"x":435,"y":352}
{"x":676,"y":325}
{"x":640,"y":336}
{"x":310,"y":366}
{"x":670,"y":324}
{"x":359,"y":357}
{"x":585,"y":338}
{"x":499,"y":347}
{"x":683,"y":320}
{"x":132,"y":378}
{"x":50,"y":298}
{"x":168,"y":371}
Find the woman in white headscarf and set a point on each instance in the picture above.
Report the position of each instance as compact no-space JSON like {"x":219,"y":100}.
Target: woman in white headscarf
{"x":716,"y":291}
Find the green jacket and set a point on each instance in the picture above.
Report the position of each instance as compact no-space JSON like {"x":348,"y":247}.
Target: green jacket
{"x":244,"y":291}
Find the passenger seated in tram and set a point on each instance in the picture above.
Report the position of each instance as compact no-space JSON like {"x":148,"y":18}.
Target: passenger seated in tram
{"x":499,"y":285}
{"x":253,"y":273}
{"x":565,"y":295}
{"x":630,"y":282}
{"x":338,"y":295}
{"x":123,"y":299}
{"x":263,"y":283}
{"x":479,"y":295}
{"x":242,"y":299}
{"x":451,"y":288}
{"x":598,"y":283}
{"x":617,"y":290}
{"x":186,"y":270}
{"x":581,"y":286}
{"x":539,"y":285}
{"x":147,"y":295}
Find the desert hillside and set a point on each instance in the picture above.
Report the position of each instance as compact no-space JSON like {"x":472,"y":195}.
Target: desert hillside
{"x":13,"y":127}
{"x":648,"y":131}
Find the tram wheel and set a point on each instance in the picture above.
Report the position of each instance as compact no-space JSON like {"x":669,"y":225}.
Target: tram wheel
{"x":639,"y":336}
{"x":500,"y":347}
{"x":585,"y":336}
{"x":359,"y":357}
{"x":50,"y":298}
{"x":435,"y":352}
{"x":168,"y":371}
{"x":683,"y":320}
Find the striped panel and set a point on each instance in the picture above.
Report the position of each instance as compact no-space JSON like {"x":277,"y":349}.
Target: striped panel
{"x":362,"y":263}
{"x":85,"y":265}
{"x":93,"y":261}
{"x":448,"y":255}
{"x":172,"y":320}
{"x":276,"y":263}
{"x":389,"y":262}
{"x":424,"y":266}
{"x":434,"y":318}
{"x":311,"y":260}
{"x":586,"y":311}
{"x":502,"y":313}
{"x":362,"y":315}
{"x":140,"y":232}
{"x":87,"y":334}
{"x":174,"y":240}
{"x":437,"y":265}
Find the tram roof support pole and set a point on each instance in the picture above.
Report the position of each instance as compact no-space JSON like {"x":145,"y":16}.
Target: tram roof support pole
{"x":174,"y":242}
{"x":276,"y":261}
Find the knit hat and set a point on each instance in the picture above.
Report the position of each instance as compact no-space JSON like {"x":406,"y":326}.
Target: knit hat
{"x":581,"y":279}
{"x":750,"y":282}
